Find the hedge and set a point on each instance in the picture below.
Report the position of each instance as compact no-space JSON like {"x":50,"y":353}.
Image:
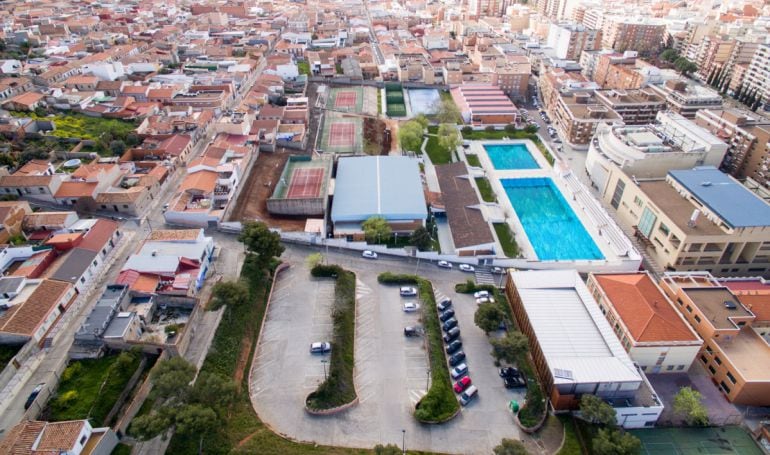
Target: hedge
{"x":338,"y":388}
{"x":394,"y":278}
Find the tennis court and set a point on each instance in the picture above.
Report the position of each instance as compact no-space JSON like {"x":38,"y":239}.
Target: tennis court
{"x":346,"y":99}
{"x":305,"y":182}
{"x":341,"y":134}
{"x":697,"y":441}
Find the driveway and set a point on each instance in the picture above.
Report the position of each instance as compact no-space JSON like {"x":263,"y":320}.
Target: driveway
{"x":391,"y":370}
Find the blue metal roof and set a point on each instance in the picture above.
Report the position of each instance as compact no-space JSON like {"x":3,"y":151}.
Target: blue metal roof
{"x":388,"y":186}
{"x":724,"y":196}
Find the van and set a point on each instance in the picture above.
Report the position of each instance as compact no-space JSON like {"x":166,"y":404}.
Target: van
{"x":469,"y":394}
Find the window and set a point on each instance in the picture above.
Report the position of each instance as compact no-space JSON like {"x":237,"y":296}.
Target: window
{"x":125,"y":206}
{"x":664,"y":229}
{"x":670,"y":368}
{"x":644,"y":367}
{"x":689,"y":309}
{"x":95,"y":264}
{"x":679,"y":367}
{"x":647,"y":222}
{"x":697,"y":318}
{"x":741,"y":323}
{"x":731,"y":378}
{"x":83,"y":440}
{"x":679,"y":301}
{"x":42,"y":190}
{"x":82,"y":279}
{"x":104,"y":207}
{"x":712,"y":370}
{"x":717,"y":360}
{"x":724,"y":386}
{"x":618,"y":194}
{"x":649,"y":423}
{"x":637,"y":201}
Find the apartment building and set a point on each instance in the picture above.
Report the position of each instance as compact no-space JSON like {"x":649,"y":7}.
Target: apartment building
{"x":734,"y":329}
{"x":686,"y":97}
{"x":618,"y":71}
{"x":713,"y":53}
{"x":758,"y":75}
{"x":578,"y":115}
{"x":635,"y":107}
{"x":651,"y":330}
{"x":644,"y":35}
{"x":697,"y":219}
{"x":574,"y":349}
{"x":747,"y":136}
{"x":569,"y":39}
{"x":555,"y":81}
{"x":651,"y":150}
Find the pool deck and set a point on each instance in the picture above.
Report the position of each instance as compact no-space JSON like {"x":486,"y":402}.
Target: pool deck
{"x":598,"y":224}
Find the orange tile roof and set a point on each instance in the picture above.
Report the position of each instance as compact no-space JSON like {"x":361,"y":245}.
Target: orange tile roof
{"x":758,"y":302}
{"x":20,"y":439}
{"x":34,"y":167}
{"x":26,"y":317}
{"x":173,"y":234}
{"x":76,"y":189}
{"x":60,"y":435}
{"x":98,"y":235}
{"x":88,"y":171}
{"x":644,"y":309}
{"x":204,"y":181}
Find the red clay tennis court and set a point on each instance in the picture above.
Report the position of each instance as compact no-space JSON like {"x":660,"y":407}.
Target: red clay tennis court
{"x":346,"y":99}
{"x":342,"y":134}
{"x":305,"y":182}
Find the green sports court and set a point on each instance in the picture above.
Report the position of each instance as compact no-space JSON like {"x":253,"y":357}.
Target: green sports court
{"x":700,"y":441}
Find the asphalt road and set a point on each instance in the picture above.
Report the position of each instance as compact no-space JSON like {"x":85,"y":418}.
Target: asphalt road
{"x":391,"y":370}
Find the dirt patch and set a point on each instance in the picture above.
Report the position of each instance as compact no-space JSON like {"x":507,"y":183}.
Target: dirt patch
{"x":259,"y":186}
{"x":377,"y":137}
{"x":243,"y":358}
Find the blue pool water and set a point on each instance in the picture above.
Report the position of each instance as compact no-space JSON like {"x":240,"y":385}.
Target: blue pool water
{"x":511,"y":156}
{"x":553,"y":229}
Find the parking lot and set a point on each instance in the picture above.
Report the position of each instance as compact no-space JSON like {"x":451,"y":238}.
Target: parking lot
{"x":391,"y":371}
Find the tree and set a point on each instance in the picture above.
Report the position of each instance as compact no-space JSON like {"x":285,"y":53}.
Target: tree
{"x":466,"y":130}
{"x":390,"y":449}
{"x":410,"y":136}
{"x":596,"y":410}
{"x":148,"y":426}
{"x":510,"y":128}
{"x":530,"y":129}
{"x":133,"y":139}
{"x":421,"y":239}
{"x":195,"y":419}
{"x":510,"y":447}
{"x":609,"y":441}
{"x":171,"y":379}
{"x":684,"y":66}
{"x":447,"y":136}
{"x":688,"y":403}
{"x":261,"y":242}
{"x":117,"y":147}
{"x":214,"y":391}
{"x":376,"y":229}
{"x":510,"y":347}
{"x":488,"y":317}
{"x":447,"y":112}
{"x":6,"y":159}
{"x":669,"y":55}
{"x":313,"y":260}
{"x":422,"y":120}
{"x":490,"y":129}
{"x":234,"y":293}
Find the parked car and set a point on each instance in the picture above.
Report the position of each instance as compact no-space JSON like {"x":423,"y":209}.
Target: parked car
{"x":468,"y":395}
{"x":411,"y":307}
{"x":454,"y":346}
{"x":320,"y":347}
{"x":451,"y":335}
{"x":498,"y":270}
{"x":480,"y":294}
{"x":444,"y":304}
{"x":456,"y":358}
{"x":407,"y":291}
{"x":506,"y":372}
{"x":514,"y":382}
{"x":485,"y":300}
{"x":33,"y":395}
{"x":462,"y":384}
{"x":444,"y":264}
{"x":449,"y":324}
{"x":446,"y":315}
{"x":466,"y":268}
{"x":368,"y":254}
{"x":412,"y":331}
{"x":459,"y":371}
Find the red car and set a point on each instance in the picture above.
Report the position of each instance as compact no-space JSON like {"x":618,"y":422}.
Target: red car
{"x":462,"y":384}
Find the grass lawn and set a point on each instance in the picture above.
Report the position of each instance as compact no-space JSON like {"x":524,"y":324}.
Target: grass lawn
{"x":446,"y":96}
{"x":485,"y":188}
{"x":338,"y":68}
{"x":507,"y":240}
{"x":84,"y":127}
{"x":7,"y":353}
{"x":304,"y":68}
{"x":571,"y":443}
{"x":437,"y":153}
{"x":473,"y":160}
{"x":89,"y":389}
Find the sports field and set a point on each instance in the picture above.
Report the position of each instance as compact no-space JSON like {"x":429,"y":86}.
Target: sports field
{"x":341,"y":134}
{"x":354,"y":100}
{"x":700,"y":441}
{"x":394,"y":96}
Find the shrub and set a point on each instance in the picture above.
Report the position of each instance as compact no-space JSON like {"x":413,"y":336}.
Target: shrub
{"x":470,"y":286}
{"x":489,"y":129}
{"x":395,"y":278}
{"x":327,"y":271}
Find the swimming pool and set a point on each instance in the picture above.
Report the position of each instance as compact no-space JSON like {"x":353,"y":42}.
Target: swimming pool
{"x":511,"y":156}
{"x":553,"y":229}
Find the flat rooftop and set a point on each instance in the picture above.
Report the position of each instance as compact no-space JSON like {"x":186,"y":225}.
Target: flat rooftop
{"x":749,"y":354}
{"x":712,"y":303}
{"x":677,"y":208}
{"x":725,"y":196}
{"x":577,"y":341}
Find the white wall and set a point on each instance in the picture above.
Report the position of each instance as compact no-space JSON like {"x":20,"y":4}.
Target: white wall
{"x":675,"y":356}
{"x":636,"y":417}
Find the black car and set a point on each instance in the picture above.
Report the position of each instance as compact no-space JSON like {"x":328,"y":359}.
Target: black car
{"x":32,"y":396}
{"x":457,"y":358}
{"x":452,"y":335}
{"x":412,"y":331}
{"x":444,"y":304}
{"x":446,"y":315}
{"x":449,"y":324}
{"x":511,"y":383}
{"x":509,"y":372}
{"x":454,"y":346}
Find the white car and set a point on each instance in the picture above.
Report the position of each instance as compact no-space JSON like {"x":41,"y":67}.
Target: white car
{"x":369,"y":254}
{"x":498,"y":270}
{"x":466,"y":268}
{"x":485,"y":300}
{"x":320,"y":347}
{"x":444,"y":264}
{"x":411,"y":307}
{"x":407,"y":291}
{"x":480,"y":294}
{"x":459,"y":370}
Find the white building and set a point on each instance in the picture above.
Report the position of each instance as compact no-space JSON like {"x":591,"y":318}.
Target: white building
{"x":569,"y":40}
{"x":650,"y":151}
{"x":105,"y":71}
{"x":758,"y":75}
{"x":575,"y":350}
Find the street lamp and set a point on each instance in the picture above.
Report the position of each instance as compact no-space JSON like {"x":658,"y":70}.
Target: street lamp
{"x":324,"y":362}
{"x":403,"y":441}
{"x":427,"y":382}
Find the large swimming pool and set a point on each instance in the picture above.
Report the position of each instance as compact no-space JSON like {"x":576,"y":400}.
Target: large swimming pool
{"x":554,"y":230}
{"x":511,"y":156}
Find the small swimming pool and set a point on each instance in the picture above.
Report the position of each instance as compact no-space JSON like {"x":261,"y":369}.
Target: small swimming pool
{"x":511,"y":156}
{"x":554,"y":230}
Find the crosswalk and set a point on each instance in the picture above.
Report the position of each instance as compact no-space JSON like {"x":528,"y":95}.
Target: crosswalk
{"x":484,"y":276}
